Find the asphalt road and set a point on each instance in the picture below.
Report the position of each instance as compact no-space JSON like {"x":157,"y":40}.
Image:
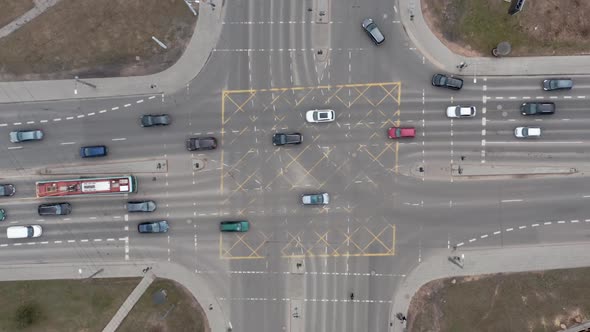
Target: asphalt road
{"x":384,"y":214}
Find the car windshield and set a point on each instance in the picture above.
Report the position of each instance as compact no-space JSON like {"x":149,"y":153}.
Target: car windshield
{"x":398,"y":132}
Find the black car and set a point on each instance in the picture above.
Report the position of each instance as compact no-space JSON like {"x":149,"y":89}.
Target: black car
{"x":447,"y":82}
{"x":553,"y":84}
{"x":537,"y":108}
{"x":201,"y":143}
{"x":55,"y":209}
{"x":93,"y":151}
{"x":7,"y":190}
{"x":150,"y":120}
{"x":373,"y":31}
{"x":141,"y":206}
{"x":153,"y":227}
{"x":283,"y":139}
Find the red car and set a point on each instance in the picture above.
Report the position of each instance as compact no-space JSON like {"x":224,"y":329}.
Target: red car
{"x":397,"y":132}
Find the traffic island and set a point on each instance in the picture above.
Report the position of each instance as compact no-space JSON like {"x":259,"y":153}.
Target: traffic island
{"x":489,"y":170}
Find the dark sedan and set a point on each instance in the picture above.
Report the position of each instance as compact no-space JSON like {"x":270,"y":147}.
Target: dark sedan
{"x":7,"y":190}
{"x":445,"y":81}
{"x":150,"y":120}
{"x":537,"y":108}
{"x":153,"y":227}
{"x":283,"y":139}
{"x":201,"y":143}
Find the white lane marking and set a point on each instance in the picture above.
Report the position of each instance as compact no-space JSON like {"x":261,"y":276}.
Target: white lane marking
{"x":71,"y":241}
{"x":3,"y":124}
{"x":152,"y":97}
{"x":69,"y":118}
{"x":119,"y":139}
{"x":509,"y":229}
{"x":84,"y":240}
{"x":139,"y":101}
{"x":511,"y":200}
{"x":17,"y":123}
{"x":102,"y":111}
{"x":43,"y":121}
{"x":114,"y":108}
{"x":14,"y":147}
{"x":126,"y":217}
{"x":126,"y":105}
{"x":57,"y":119}
{"x":67,"y":143}
{"x":91,"y":113}
{"x":97,"y":240}
{"x":80,"y":116}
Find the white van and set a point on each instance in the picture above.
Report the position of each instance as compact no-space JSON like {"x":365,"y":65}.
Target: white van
{"x":22,"y":232}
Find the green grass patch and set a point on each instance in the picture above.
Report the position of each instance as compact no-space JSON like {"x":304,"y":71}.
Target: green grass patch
{"x":179,"y":313}
{"x":61,"y":305}
{"x":537,"y":301}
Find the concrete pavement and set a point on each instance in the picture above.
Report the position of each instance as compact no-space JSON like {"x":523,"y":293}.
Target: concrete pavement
{"x":194,"y":58}
{"x":217,"y":320}
{"x":440,"y":56}
{"x":436,"y":265}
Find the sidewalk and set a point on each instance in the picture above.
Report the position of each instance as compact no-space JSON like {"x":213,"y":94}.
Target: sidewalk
{"x":440,"y":56}
{"x":129,"y":303}
{"x":204,"y":39}
{"x":217,"y":319}
{"x":485,"y":261}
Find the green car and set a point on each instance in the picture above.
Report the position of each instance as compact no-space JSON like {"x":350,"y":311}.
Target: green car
{"x":234,"y":226}
{"x":2,"y":215}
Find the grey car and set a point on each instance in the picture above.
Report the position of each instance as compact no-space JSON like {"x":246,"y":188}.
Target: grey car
{"x":26,"y":135}
{"x":150,"y":120}
{"x":373,"y":31}
{"x":7,"y":189}
{"x":537,"y":108}
{"x":141,"y":206}
{"x":553,"y":84}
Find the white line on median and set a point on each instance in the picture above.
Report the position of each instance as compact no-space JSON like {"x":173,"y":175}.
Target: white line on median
{"x":119,"y":139}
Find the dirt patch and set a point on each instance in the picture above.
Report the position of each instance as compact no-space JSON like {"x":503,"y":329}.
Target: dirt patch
{"x":475,"y":27}
{"x":536,"y":301}
{"x":12,"y":9}
{"x":91,"y":38}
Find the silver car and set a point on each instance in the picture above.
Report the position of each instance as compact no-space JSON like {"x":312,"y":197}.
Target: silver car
{"x":26,"y":135}
{"x":373,"y":31}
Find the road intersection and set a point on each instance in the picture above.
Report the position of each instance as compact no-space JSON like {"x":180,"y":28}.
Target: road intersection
{"x":396,"y":206}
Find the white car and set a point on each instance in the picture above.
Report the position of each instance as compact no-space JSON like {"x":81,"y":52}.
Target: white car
{"x":316,"y":116}
{"x":461,"y":111}
{"x":526,"y":132}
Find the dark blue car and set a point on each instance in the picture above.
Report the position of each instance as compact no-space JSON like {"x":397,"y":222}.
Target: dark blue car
{"x":93,"y":151}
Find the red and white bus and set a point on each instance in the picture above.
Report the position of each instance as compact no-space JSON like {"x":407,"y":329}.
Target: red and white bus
{"x":110,"y":185}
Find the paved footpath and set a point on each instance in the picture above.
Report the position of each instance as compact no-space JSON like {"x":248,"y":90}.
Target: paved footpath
{"x":204,"y":39}
{"x":483,"y":261}
{"x":193,"y":282}
{"x":439,"y":55}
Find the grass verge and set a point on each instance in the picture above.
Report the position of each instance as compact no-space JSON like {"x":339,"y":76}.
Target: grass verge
{"x":12,"y":9}
{"x":92,"y":38}
{"x":179,"y":313}
{"x":61,"y":305}
{"x":536,"y":301}
{"x":475,"y":27}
